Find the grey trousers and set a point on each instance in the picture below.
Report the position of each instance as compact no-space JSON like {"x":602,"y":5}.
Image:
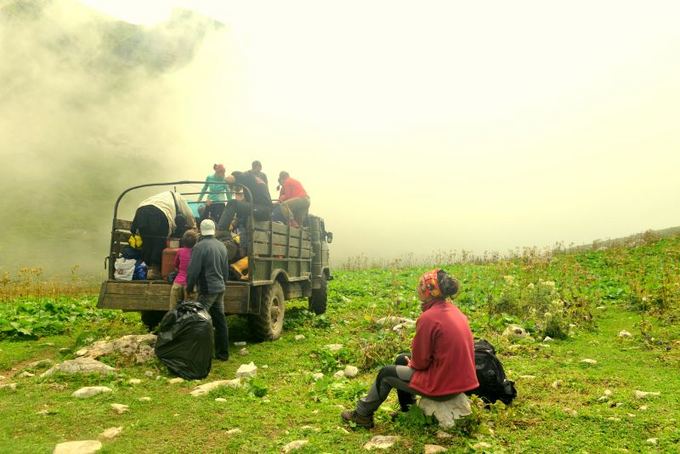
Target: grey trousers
{"x":397,"y":376}
{"x":214,"y":304}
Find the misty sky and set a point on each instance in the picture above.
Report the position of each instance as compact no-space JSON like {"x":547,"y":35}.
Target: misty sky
{"x":427,"y":126}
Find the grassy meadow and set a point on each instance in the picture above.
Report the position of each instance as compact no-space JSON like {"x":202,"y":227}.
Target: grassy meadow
{"x":581,"y":301}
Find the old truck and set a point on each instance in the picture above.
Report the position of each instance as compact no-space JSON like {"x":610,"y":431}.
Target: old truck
{"x":284,"y":263}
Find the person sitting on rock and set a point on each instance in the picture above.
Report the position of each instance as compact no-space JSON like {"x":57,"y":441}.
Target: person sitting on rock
{"x":442,"y":360}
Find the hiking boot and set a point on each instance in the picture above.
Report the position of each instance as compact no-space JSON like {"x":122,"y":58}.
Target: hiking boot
{"x":356,"y":418}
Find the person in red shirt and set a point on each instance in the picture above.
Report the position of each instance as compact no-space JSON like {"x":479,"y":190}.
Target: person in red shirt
{"x":442,"y":359}
{"x":293,"y":201}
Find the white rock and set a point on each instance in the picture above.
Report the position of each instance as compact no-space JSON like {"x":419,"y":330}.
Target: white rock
{"x":334,"y":347}
{"x":138,"y":347}
{"x":644,"y":394}
{"x":441,"y":435}
{"x":601,"y":308}
{"x":339,"y":374}
{"x":556,"y":384}
{"x":607,"y":392}
{"x":264,"y":366}
{"x":240,"y":343}
{"x":447,"y":411}
{"x":111,"y":433}
{"x":589,"y":361}
{"x":514,"y":332}
{"x":243,"y":352}
{"x":481,"y":445}
{"x":293,"y":445}
{"x":134,"y":381}
{"x":547,"y":339}
{"x":624,"y":333}
{"x":652,"y":441}
{"x":433,"y":449}
{"x":40,"y":364}
{"x":317,"y":376}
{"x":381,"y":442}
{"x":89,"y":391}
{"x":527,"y":377}
{"x":643,"y":408}
{"x":246,"y":370}
{"x":120,"y":408}
{"x":299,"y":337}
{"x":26,"y":374}
{"x":78,"y":447}
{"x":80,"y":366}
{"x":351,"y":371}
{"x":148,"y":374}
{"x":603,"y":399}
{"x":205,"y":388}
{"x":81,"y":352}
{"x":144,"y":399}
{"x":10,"y":386}
{"x":2,"y":377}
{"x":613,"y":419}
{"x":174,"y":381}
{"x":220,"y":399}
{"x":235,"y":431}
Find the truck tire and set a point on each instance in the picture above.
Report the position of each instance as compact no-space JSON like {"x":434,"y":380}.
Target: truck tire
{"x":151,"y":319}
{"x":317,"y":302}
{"x":268,"y":324}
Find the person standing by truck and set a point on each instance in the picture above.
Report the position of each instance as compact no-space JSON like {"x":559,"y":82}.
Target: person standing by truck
{"x":216,"y":189}
{"x":208,"y":271}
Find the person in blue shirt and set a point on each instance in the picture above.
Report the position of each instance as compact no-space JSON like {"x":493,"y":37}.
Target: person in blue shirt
{"x":217,"y":194}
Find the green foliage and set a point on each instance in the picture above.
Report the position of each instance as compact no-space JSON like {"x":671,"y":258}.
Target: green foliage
{"x":28,"y":318}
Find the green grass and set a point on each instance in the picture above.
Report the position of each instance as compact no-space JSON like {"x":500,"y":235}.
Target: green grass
{"x":283,"y":403}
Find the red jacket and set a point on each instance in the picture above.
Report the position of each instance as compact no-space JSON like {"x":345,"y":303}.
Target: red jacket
{"x":443,"y":352}
{"x":290,"y":189}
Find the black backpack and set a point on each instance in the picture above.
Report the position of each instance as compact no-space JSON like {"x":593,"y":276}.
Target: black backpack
{"x":493,"y":384}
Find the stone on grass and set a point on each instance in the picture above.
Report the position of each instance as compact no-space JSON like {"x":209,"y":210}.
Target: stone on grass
{"x":441,"y":435}
{"x":78,"y":447}
{"x":293,"y":445}
{"x":351,"y":371}
{"x":339,"y":374}
{"x":381,"y":442}
{"x":174,"y":381}
{"x":556,"y":384}
{"x":643,"y":408}
{"x":111,"y":433}
{"x":2,"y":377}
{"x":243,"y":352}
{"x":646,"y":394}
{"x":447,"y":411}
{"x":205,"y":388}
{"x":589,"y":361}
{"x":235,"y":431}
{"x":144,"y":399}
{"x":607,"y":392}
{"x":317,"y":376}
{"x":136,"y":347}
{"x":514,"y":332}
{"x":334,"y":347}
{"x":89,"y":391}
{"x":220,"y":399}
{"x":433,"y":449}
{"x":41,"y":364}
{"x":26,"y":374}
{"x":547,"y":339}
{"x":82,"y":365}
{"x":120,"y":408}
{"x":624,"y":333}
{"x":299,"y":337}
{"x":481,"y":445}
{"x":148,"y":374}
{"x":10,"y":386}
{"x":652,"y":441}
{"x":527,"y":377}
{"x":134,"y":381}
{"x":246,"y":370}
{"x":240,"y":343}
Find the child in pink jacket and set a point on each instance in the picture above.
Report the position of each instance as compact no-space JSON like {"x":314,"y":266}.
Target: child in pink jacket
{"x":178,"y":293}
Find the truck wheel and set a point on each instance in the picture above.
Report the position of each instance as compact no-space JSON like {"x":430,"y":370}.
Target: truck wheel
{"x":151,"y":319}
{"x":268,"y":324}
{"x":317,"y":302}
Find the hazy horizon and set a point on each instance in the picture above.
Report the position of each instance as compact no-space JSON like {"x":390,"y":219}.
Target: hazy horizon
{"x":415,"y":128}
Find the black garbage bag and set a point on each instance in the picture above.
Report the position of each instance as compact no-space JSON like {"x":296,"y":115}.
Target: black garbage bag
{"x":185,"y":341}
